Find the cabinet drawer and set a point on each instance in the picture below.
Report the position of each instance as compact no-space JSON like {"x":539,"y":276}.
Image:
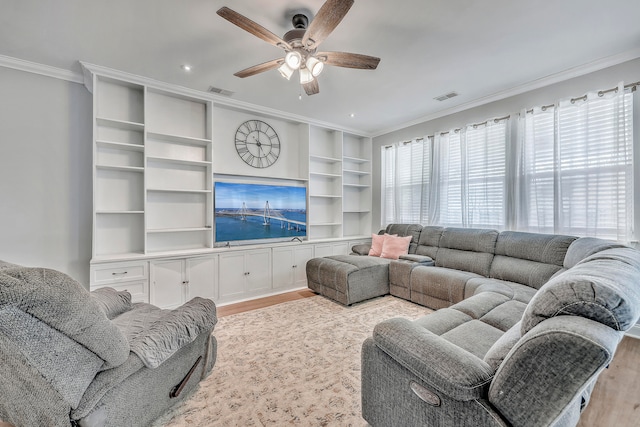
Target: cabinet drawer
{"x":115,"y":273}
{"x":137,"y":289}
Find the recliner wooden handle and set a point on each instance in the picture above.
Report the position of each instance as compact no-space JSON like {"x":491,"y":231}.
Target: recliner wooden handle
{"x":175,"y":392}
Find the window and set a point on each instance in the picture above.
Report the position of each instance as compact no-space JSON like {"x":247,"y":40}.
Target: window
{"x":457,"y":181}
{"x":576,"y":168}
{"x":571,"y":172}
{"x":405,"y":181}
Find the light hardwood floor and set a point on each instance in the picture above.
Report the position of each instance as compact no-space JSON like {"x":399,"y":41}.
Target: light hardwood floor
{"x":615,"y":401}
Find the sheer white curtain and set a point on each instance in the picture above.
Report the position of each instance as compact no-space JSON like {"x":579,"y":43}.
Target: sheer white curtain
{"x":406,"y":179}
{"x":576,"y":169}
{"x":469,"y":167}
{"x":446,"y":193}
{"x":484,"y":156}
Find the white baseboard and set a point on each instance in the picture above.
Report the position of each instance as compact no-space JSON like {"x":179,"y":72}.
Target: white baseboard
{"x":634,"y":331}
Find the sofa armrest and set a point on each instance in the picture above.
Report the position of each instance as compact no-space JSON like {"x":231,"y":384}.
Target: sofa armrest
{"x":558,"y":359}
{"x":439,"y":363}
{"x":419,"y":259}
{"x":361,"y":249}
{"x":173,"y":330}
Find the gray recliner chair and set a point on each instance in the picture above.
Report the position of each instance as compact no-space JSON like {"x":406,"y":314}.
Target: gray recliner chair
{"x":73,"y":357}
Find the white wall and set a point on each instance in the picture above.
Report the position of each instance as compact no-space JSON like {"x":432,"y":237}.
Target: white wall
{"x":629,"y":72}
{"x":45,"y":173}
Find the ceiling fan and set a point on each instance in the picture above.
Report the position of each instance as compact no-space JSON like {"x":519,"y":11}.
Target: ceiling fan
{"x":301,"y":44}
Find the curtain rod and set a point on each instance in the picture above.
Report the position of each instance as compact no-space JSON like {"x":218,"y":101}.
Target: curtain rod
{"x":601,"y":93}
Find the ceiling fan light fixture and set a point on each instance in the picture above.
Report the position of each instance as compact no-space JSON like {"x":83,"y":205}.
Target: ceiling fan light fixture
{"x":286,"y":71}
{"x":314,"y":65}
{"x":305,"y":76}
{"x":293,"y":59}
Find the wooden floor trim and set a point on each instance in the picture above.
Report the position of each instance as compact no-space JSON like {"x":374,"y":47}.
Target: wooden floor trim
{"x":255,"y":304}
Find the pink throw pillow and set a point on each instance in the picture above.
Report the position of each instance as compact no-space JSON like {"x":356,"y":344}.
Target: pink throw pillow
{"x":377,"y":241}
{"x":393,"y":247}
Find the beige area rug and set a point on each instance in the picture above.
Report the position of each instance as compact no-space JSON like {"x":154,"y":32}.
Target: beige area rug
{"x":296,"y":363}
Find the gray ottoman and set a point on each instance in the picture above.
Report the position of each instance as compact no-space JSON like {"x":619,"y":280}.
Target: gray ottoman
{"x":348,"y":279}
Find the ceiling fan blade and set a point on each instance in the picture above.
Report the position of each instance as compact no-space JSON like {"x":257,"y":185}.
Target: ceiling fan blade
{"x":349,"y":60}
{"x":312,"y":87}
{"x":327,"y":19}
{"x":260,"y":68}
{"x":252,"y":27}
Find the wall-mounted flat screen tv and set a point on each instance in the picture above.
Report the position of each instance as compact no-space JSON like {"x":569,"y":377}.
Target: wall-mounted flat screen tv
{"x":246,"y":213}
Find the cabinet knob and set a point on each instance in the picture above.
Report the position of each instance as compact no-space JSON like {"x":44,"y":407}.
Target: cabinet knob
{"x":121,"y":273}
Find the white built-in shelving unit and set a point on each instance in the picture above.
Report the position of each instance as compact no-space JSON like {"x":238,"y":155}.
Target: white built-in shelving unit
{"x":153,"y":182}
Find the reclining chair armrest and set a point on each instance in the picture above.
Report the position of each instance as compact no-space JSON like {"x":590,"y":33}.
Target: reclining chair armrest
{"x":558,"y":359}
{"x":175,"y":329}
{"x":444,"y":366}
{"x":361,"y":249}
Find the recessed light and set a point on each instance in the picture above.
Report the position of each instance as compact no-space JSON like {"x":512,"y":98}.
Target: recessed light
{"x":186,"y":67}
{"x":352,"y":115}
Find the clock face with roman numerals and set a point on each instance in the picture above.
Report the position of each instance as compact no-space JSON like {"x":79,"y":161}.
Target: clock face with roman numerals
{"x":257,"y":144}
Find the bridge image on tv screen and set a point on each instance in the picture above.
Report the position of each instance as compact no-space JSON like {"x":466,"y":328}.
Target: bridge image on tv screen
{"x":259,"y":211}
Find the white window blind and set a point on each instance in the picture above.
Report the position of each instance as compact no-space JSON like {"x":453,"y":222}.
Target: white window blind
{"x":577,"y":168}
{"x":484,"y":184}
{"x":407,"y":169}
{"x":447,"y":193}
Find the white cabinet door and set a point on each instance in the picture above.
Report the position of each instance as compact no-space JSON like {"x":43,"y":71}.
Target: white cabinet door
{"x":175,"y":281}
{"x":283,"y":267}
{"x":289,"y":266}
{"x":167,"y":283}
{"x":301,"y":256}
{"x":258,"y":267}
{"x":201,"y":274}
{"x":232,"y":275}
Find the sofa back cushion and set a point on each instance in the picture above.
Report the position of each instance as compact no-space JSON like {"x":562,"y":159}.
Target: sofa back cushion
{"x":529,"y":258}
{"x":603,"y":287}
{"x":429,"y":241}
{"x":467,"y":249}
{"x":412,"y":230}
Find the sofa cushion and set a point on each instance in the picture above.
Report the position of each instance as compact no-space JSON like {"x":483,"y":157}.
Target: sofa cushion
{"x":502,"y":346}
{"x":394,"y":246}
{"x":603,"y":287}
{"x":56,"y":356}
{"x":513,"y":290}
{"x":112,"y":302}
{"x":528,"y":258}
{"x":467,"y":249}
{"x":545,"y":248}
{"x":64,"y":304}
{"x":412,"y":230}
{"x":530,"y":273}
{"x":429,"y":241}
{"x":438,"y":287}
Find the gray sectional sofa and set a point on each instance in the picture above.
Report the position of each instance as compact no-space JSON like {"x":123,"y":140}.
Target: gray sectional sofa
{"x":524,"y":325}
{"x":93,"y":359}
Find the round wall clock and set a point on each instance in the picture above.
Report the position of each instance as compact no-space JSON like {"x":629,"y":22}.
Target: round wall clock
{"x":257,"y":143}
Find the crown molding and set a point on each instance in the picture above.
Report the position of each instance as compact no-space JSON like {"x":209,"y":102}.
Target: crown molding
{"x":571,"y":73}
{"x":90,"y":69}
{"x":43,"y":70}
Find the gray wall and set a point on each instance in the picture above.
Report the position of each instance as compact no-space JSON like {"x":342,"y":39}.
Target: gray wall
{"x":45,"y":173}
{"x":629,"y":72}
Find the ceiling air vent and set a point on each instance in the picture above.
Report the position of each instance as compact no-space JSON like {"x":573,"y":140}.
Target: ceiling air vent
{"x":220,"y":91}
{"x":446,"y":96}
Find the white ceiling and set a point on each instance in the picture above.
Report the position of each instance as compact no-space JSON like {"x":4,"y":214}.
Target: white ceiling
{"x":428,"y":48}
